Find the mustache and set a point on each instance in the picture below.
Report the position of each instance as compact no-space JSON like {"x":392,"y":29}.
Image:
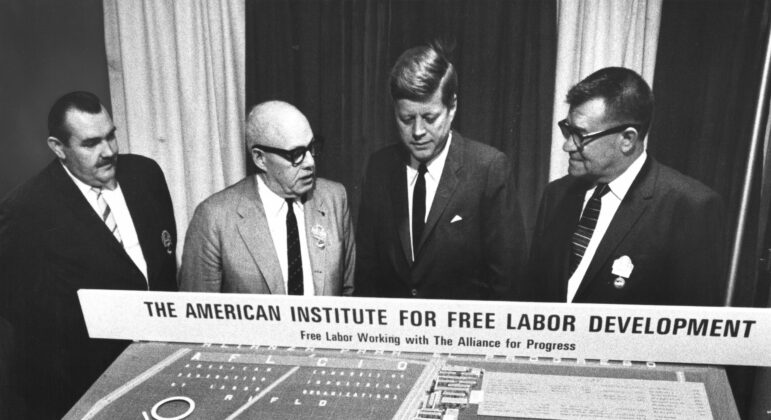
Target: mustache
{"x":105,"y":162}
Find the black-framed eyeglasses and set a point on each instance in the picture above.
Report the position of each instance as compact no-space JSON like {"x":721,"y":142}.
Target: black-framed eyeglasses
{"x":295,"y":156}
{"x":581,"y":140}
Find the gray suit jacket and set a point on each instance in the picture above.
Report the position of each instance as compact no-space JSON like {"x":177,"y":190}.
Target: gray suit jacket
{"x":228,"y":247}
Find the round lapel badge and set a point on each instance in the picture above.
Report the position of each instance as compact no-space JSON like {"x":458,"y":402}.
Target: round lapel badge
{"x":619,"y":283}
{"x":166,"y":241}
{"x":320,"y":235}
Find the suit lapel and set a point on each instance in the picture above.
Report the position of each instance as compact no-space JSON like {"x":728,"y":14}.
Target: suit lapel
{"x":254,"y":231}
{"x":399,"y":206}
{"x":316,"y":226}
{"x":448,"y":183}
{"x":634,"y":205}
{"x":91,"y":225}
{"x":140,"y":215}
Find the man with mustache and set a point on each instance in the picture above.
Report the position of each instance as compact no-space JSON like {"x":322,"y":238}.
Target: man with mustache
{"x":621,"y":227}
{"x":92,"y":219}
{"x":281,"y":231}
{"x":439,"y":215}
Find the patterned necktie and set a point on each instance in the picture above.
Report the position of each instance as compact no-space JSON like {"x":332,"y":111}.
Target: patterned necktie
{"x":106,"y":213}
{"x":418,"y":208}
{"x":586,"y":225}
{"x":294,"y":258}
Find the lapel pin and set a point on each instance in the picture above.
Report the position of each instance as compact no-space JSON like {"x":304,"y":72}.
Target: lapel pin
{"x":622,"y":268}
{"x":166,"y":241}
{"x":319,"y":235}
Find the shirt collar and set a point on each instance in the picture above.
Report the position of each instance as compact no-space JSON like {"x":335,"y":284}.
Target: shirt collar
{"x":620,"y":186}
{"x":82,"y":186}
{"x":271,"y":202}
{"x":435,"y":166}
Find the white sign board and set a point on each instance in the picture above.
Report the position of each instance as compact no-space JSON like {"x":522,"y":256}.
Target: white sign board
{"x":734,"y":336}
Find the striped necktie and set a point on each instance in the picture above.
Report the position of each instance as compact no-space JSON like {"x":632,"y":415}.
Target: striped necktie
{"x":294,"y":257}
{"x":106,"y":214}
{"x":585,"y":228}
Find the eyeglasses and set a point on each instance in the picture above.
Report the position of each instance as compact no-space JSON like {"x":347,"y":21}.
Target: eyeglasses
{"x":581,"y":140}
{"x":295,"y":156}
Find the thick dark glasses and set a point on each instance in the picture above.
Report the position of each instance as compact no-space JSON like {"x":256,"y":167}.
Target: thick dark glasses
{"x":581,"y":140}
{"x":295,"y":156}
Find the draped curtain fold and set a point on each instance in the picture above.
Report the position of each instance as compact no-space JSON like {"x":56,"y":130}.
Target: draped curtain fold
{"x":710,"y":60}
{"x":594,"y":34}
{"x":331,"y":59}
{"x":176,"y":72}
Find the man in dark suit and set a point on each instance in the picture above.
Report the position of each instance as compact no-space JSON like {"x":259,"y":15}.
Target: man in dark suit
{"x":439,"y":216}
{"x":92,"y":219}
{"x":621,"y":227}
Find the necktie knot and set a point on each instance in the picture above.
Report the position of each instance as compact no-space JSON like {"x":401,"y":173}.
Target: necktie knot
{"x":97,"y":191}
{"x":600,"y":190}
{"x":422,"y":169}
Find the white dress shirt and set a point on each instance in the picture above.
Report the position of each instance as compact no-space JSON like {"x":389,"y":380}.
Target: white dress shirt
{"x":610,"y":202}
{"x":433,"y":174}
{"x":122,"y":216}
{"x":275,"y":211}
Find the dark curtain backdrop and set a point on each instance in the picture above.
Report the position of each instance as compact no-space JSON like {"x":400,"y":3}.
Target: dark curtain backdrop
{"x":708,"y":71}
{"x":331,"y":59}
{"x":708,"y":68}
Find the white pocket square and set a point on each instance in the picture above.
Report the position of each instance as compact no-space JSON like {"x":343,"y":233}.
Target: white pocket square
{"x":457,"y":218}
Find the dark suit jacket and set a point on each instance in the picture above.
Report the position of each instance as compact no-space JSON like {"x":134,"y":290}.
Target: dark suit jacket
{"x":57,"y":244}
{"x":669,"y":225}
{"x":473,"y":244}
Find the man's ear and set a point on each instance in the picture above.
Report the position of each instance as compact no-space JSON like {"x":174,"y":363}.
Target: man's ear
{"x":454,"y":107}
{"x":57,"y":147}
{"x":258,"y":157}
{"x":629,"y":138}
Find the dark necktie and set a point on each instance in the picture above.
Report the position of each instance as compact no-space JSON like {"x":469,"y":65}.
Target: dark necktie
{"x":418,"y":208}
{"x":586,"y":225}
{"x":294,"y":258}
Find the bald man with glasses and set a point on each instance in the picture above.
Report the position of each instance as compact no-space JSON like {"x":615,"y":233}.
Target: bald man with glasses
{"x":621,"y":227}
{"x":280,"y":231}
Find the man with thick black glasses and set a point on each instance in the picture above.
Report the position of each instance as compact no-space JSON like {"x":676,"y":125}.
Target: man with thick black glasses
{"x":281,"y":231}
{"x":621,"y":227}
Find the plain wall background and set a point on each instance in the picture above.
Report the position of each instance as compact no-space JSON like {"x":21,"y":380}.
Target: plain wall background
{"x":47,"y":48}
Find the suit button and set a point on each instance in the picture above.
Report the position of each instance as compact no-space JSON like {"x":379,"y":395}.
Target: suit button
{"x":414,"y":292}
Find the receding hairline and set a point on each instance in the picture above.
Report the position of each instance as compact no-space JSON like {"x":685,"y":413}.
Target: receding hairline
{"x":268,"y":120}
{"x":82,"y":101}
{"x":68,"y":115}
{"x":627,"y":97}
